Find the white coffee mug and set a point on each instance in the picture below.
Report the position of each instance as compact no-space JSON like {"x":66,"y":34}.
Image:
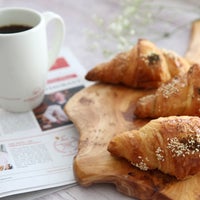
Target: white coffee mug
{"x":25,"y":56}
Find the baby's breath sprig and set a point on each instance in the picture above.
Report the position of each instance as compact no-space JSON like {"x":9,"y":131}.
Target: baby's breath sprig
{"x":120,"y":30}
{"x":135,"y":19}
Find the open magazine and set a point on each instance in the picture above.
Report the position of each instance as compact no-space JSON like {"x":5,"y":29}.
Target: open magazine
{"x":37,"y":148}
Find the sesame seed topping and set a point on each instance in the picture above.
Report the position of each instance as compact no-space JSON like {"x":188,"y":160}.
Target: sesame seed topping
{"x":159,"y":154}
{"x":141,"y":165}
{"x":170,"y":88}
{"x":184,"y":146}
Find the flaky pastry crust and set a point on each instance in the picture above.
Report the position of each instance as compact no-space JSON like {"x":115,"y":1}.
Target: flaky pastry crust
{"x":169,"y":144}
{"x":144,"y":66}
{"x":179,"y":96}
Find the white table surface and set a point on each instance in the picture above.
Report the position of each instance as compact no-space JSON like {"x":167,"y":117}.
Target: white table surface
{"x":79,"y":19}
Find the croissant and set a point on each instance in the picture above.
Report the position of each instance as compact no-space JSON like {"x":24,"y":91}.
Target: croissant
{"x":180,"y":96}
{"x":144,"y":66}
{"x":169,"y":144}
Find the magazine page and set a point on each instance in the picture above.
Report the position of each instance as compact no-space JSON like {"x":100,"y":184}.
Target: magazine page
{"x":37,"y":148}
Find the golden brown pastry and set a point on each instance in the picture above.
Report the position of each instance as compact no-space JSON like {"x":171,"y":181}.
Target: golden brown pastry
{"x":169,"y":144}
{"x":180,"y":96}
{"x":144,"y":66}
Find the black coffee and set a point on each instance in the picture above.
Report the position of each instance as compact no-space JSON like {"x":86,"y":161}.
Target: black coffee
{"x":14,"y":28}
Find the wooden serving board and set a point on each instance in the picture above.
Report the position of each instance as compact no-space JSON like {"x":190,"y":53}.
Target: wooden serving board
{"x":101,"y":111}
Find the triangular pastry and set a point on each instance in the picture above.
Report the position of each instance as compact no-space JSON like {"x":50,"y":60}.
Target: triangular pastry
{"x":169,"y":144}
{"x":144,"y":66}
{"x":180,"y":96}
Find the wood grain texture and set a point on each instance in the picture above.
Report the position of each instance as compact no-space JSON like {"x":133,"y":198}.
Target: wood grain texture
{"x":101,"y":111}
{"x":193,"y":52}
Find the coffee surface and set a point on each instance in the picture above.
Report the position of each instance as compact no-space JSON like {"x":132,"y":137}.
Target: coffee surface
{"x":14,"y":28}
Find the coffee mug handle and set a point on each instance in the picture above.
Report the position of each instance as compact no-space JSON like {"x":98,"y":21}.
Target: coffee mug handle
{"x":59,"y":35}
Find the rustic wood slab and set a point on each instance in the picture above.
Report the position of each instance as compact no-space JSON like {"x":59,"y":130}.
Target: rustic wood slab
{"x":101,"y":111}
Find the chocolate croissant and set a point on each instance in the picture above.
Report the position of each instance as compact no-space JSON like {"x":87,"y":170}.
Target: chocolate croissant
{"x":144,"y":66}
{"x":180,"y":96}
{"x":169,"y":144}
